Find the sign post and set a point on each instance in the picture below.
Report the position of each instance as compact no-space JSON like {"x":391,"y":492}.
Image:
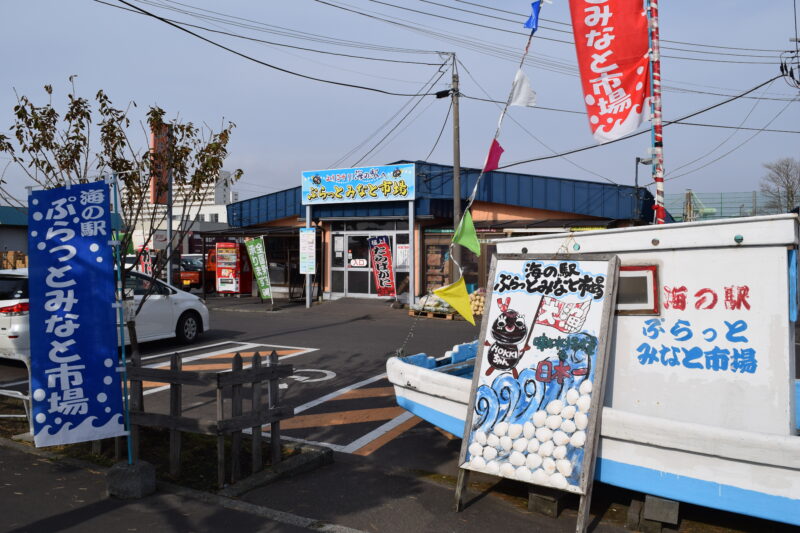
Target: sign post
{"x":537,"y":389}
{"x":308,"y":254}
{"x":76,"y":390}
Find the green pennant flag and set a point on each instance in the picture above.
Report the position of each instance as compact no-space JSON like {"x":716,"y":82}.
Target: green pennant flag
{"x":465,"y":234}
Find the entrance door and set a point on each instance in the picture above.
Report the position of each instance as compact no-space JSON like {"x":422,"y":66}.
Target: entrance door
{"x":358,"y":276}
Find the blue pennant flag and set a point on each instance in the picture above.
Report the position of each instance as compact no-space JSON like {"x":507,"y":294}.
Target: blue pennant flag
{"x":533,"y":21}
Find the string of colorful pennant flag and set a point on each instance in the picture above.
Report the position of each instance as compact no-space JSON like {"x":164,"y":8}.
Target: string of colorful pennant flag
{"x":616,"y":45}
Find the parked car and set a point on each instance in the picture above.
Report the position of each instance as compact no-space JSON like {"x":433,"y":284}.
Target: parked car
{"x":166,"y":313}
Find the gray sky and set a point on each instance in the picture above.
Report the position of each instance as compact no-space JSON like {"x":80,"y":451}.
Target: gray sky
{"x":287,"y":124}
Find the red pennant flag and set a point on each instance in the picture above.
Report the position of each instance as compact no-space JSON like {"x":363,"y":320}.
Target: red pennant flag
{"x":493,"y":159}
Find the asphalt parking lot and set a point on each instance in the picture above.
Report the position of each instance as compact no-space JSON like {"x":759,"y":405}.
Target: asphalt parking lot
{"x":392,"y":471}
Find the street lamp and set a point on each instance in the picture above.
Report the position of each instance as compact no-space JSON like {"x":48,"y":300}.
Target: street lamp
{"x":639,"y":161}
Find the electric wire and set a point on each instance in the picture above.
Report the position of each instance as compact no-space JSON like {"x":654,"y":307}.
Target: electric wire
{"x":636,"y":134}
{"x":264,"y":63}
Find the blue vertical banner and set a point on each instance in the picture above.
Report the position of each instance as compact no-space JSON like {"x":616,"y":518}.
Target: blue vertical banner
{"x":76,"y":392}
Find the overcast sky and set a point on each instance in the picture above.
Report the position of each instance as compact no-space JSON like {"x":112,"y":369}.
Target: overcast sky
{"x":287,"y":124}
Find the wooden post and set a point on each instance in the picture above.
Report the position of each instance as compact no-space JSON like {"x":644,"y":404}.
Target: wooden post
{"x":461,"y":485}
{"x":97,"y":447}
{"x":236,"y":410}
{"x":272,"y":403}
{"x":136,"y":392}
{"x":220,"y":438}
{"x":256,"y":408}
{"x":175,"y":410}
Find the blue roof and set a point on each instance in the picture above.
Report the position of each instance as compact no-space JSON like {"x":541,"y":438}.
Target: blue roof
{"x":13,"y":216}
{"x":434,"y":190}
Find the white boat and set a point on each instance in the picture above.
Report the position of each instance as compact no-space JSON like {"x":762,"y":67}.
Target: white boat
{"x":716,"y":427}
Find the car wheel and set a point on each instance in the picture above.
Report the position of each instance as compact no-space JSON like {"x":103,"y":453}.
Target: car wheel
{"x":189,"y":328}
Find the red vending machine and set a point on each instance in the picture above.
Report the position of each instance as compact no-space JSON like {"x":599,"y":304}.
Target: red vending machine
{"x":234,"y":275}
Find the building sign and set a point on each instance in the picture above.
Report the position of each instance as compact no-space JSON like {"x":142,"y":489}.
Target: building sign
{"x":380,"y":251}
{"x":364,"y":184}
{"x":75,"y":386}
{"x":308,"y":250}
{"x":258,"y":259}
{"x":611,"y":42}
{"x":538,"y":379}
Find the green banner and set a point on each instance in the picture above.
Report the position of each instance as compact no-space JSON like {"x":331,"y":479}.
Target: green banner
{"x":258,"y":259}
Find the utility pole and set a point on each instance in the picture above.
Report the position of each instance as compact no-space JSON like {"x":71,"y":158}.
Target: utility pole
{"x":456,"y":250}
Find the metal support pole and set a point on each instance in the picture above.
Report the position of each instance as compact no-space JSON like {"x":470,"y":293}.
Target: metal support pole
{"x":636,"y":186}
{"x":412,"y":267}
{"x":169,"y":207}
{"x":456,"y":250}
{"x":655,"y":107}
{"x":308,"y":276}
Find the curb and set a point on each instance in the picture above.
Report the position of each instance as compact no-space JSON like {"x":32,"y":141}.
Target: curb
{"x":207,"y":497}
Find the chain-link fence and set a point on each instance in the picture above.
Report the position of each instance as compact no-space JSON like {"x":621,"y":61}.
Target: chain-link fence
{"x":690,"y":205}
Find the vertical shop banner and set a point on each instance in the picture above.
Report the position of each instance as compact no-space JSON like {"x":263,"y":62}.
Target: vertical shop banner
{"x":75,"y":388}
{"x":258,"y":258}
{"x":538,"y":384}
{"x":611,"y":42}
{"x":380,"y":251}
{"x":159,"y":160}
{"x":308,"y":250}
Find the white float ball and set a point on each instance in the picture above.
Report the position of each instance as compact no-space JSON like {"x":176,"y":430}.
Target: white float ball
{"x":539,"y":418}
{"x":554,"y":421}
{"x":480,"y":437}
{"x":548,"y":465}
{"x":581,"y":420}
{"x":506,"y":442}
{"x":523,"y":474}
{"x":533,"y":446}
{"x":489,"y":453}
{"x":555,"y":407}
{"x":586,"y":387}
{"x":514,"y":430}
{"x":568,"y":412}
{"x":578,"y":439}
{"x":559,"y":452}
{"x":528,"y":429}
{"x":516,"y":459}
{"x":544,"y":434}
{"x":475,"y":449}
{"x":560,"y":438}
{"x":584,"y":402}
{"x":520,"y":445}
{"x":507,"y":470}
{"x":572,"y":396}
{"x":500,"y":429}
{"x":540,"y":478}
{"x":492,"y":467}
{"x":533,"y":461}
{"x":568,"y":426}
{"x":493,"y":440}
{"x":558,"y":481}
{"x":564,"y":467}
{"x":478,"y":462}
{"x":546,"y":448}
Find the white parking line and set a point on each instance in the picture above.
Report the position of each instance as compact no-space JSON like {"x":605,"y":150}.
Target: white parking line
{"x":377,"y":432}
{"x":323,"y":399}
{"x":193,"y":348}
{"x":12,"y":383}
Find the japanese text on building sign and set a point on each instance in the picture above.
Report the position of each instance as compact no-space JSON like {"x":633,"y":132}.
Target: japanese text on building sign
{"x":76,"y":393}
{"x":367,"y":184}
{"x":611,"y":41}
{"x":735,"y":298}
{"x":556,"y":279}
{"x":381,"y":254}
{"x":680,"y":343}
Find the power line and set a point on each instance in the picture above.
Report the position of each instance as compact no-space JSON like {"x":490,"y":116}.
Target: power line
{"x":273,"y":43}
{"x":441,"y":131}
{"x":263,"y":63}
{"x":629,"y":136}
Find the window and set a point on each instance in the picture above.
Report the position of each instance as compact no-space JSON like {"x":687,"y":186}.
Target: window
{"x":201,"y":217}
{"x":213,"y":217}
{"x":637,"y":291}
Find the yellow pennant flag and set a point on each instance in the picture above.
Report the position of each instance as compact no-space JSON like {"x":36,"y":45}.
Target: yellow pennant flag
{"x":456,"y":295}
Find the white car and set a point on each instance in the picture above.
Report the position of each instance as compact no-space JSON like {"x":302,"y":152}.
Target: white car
{"x":166,"y":313}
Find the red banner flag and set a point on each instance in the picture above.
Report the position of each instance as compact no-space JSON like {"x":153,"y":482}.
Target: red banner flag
{"x":612,"y":46}
{"x":380,"y":251}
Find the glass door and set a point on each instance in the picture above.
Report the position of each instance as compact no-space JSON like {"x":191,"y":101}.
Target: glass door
{"x":358,"y":277}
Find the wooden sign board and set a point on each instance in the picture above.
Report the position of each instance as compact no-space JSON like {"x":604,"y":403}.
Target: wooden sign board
{"x":537,"y":388}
